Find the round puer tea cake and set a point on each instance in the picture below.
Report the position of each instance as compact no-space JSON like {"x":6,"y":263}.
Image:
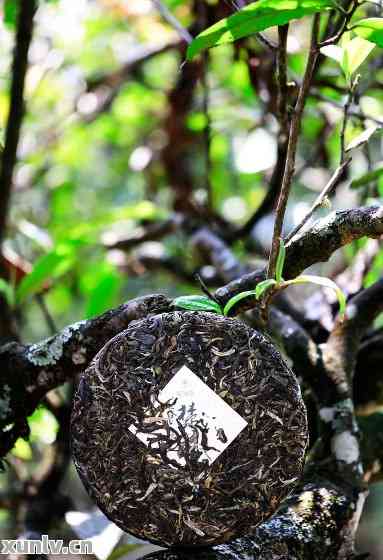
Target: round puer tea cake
{"x":188,"y":428}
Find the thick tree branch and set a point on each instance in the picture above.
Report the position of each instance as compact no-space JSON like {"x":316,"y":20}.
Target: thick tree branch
{"x":216,"y":252}
{"x":314,"y":245}
{"x":338,"y":449}
{"x":343,"y":344}
{"x":46,"y":365}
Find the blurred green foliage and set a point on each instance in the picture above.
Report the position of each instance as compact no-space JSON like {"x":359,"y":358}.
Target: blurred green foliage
{"x":86,"y":173}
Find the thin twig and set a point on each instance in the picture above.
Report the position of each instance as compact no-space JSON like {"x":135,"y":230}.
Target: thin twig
{"x":292,"y":147}
{"x":173,"y":21}
{"x":204,"y":288}
{"x":346,"y":115}
{"x":347,"y":18}
{"x":283,"y":93}
{"x":16,"y":109}
{"x":352,"y":112}
{"x":46,"y":313}
{"x":207,"y":129}
{"x":332,"y":183}
{"x":273,"y":187}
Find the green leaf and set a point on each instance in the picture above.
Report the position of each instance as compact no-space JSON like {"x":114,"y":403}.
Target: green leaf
{"x":22,"y":450}
{"x":367,"y":178}
{"x":280,"y":261}
{"x":197,"y":303}
{"x":362,"y":138}
{"x":326,"y":283}
{"x":100,"y":283}
{"x":370,"y":29}
{"x":10,"y":12}
{"x":350,"y":55}
{"x":263,"y":286}
{"x":53,"y":264}
{"x":235,"y":299}
{"x":8,"y":292}
{"x":333,"y":51}
{"x":355,"y":53}
{"x":254,"y":18}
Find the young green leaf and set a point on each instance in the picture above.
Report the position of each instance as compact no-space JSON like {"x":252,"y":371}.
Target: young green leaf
{"x":370,"y":29}
{"x":326,"y":283}
{"x":355,"y":53}
{"x":197,"y":303}
{"x":253,"y":18}
{"x":333,"y":51}
{"x":362,"y":138}
{"x":235,"y":299}
{"x":261,"y":287}
{"x":280,"y":261}
{"x":350,"y":54}
{"x":367,"y":178}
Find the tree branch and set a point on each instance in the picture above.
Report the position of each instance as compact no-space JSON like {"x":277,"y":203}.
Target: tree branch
{"x":16,"y":109}
{"x":106,"y":87}
{"x":216,"y":252}
{"x":330,"y":186}
{"x":173,"y":21}
{"x":270,"y":198}
{"x":152,"y":232}
{"x":343,"y":344}
{"x":312,"y":246}
{"x":292,"y":147}
{"x":46,"y":365}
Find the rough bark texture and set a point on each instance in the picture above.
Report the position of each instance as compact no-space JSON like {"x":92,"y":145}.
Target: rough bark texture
{"x":46,"y":365}
{"x":317,"y":244}
{"x":313,"y":523}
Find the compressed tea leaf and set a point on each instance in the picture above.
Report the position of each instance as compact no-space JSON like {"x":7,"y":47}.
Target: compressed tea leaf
{"x":191,"y":430}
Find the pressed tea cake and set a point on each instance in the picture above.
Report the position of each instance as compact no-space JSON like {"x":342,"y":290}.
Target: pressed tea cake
{"x":188,"y":428}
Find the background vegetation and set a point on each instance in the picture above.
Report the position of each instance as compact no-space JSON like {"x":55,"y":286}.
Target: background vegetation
{"x":136,"y":170}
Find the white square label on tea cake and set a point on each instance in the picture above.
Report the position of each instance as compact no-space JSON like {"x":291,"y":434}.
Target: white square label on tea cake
{"x":192,"y":422}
